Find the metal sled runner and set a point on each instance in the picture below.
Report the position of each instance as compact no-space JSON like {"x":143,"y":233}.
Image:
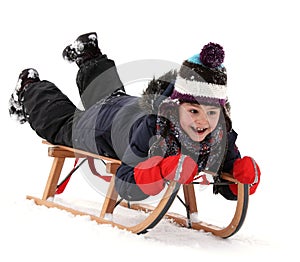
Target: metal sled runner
{"x":151,"y":214}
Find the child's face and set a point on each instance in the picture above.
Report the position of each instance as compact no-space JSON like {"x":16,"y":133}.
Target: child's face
{"x":198,"y":120}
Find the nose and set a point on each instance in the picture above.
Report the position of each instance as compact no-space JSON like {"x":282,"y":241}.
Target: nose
{"x":201,"y":117}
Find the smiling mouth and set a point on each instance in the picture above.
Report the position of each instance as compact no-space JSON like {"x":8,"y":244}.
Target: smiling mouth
{"x":199,"y":130}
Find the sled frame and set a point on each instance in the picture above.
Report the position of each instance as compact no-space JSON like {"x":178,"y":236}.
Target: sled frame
{"x":156,"y":213}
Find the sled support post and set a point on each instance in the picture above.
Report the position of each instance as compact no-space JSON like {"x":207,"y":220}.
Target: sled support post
{"x":54,"y":175}
{"x":110,"y":199}
{"x":190,"y":198}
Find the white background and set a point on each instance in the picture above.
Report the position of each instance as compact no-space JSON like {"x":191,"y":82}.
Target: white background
{"x":261,"y":45}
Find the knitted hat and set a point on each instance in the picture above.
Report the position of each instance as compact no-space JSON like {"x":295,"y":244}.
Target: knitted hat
{"x":202,"y":78}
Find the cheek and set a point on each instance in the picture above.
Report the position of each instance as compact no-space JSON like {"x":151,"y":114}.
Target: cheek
{"x":184,"y":118}
{"x":213,"y":122}
{"x":182,"y":121}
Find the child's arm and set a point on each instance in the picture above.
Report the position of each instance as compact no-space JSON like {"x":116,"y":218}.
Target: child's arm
{"x":232,"y":154}
{"x":245,"y":170}
{"x":140,"y":176}
{"x":152,"y":174}
{"x":149,"y":177}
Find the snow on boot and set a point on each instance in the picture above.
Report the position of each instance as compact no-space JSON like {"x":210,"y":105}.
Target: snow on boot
{"x":85,"y":47}
{"x":16,"y":109}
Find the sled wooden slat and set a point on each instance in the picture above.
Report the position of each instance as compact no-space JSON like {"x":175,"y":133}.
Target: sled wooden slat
{"x":61,"y":153}
{"x":78,"y":153}
{"x":155,"y":213}
{"x":75,"y":212}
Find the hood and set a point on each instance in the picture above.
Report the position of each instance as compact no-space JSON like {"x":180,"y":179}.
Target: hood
{"x":156,"y":90}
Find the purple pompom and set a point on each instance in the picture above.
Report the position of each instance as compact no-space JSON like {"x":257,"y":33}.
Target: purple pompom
{"x":212,"y":55}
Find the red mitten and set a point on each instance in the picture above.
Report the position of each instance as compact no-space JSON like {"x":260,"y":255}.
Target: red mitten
{"x":188,"y":168}
{"x":246,"y":171}
{"x":148,"y":177}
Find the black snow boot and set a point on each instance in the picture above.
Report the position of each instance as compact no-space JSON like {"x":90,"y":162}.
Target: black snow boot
{"x":84,"y":48}
{"x":16,"y":108}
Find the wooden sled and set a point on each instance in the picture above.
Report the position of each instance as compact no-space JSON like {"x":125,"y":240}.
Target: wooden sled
{"x":153,"y":214}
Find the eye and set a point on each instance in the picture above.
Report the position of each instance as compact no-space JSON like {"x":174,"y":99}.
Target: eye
{"x":194,"y":111}
{"x":211,"y":112}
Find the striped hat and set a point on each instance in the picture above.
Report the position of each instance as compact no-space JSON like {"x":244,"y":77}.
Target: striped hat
{"x":202,"y":78}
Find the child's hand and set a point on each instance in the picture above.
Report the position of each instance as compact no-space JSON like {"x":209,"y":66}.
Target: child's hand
{"x":149,"y":175}
{"x":188,"y":168}
{"x":246,"y":171}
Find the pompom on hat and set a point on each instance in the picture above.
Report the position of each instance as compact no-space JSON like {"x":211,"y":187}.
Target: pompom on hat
{"x":202,"y":78}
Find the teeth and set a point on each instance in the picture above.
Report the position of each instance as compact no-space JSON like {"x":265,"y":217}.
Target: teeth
{"x":199,"y":130}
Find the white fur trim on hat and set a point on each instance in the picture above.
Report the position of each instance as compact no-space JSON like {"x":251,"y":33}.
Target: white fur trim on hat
{"x":197,"y":89}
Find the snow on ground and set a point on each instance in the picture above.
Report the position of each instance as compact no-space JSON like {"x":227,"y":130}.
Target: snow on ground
{"x":261,"y":46}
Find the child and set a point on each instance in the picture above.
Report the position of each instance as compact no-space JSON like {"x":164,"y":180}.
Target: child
{"x":181,"y":120}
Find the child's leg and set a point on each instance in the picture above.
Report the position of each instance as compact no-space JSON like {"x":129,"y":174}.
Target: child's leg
{"x":51,"y":113}
{"x":97,"y":78}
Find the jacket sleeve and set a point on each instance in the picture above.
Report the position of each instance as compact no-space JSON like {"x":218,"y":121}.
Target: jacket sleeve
{"x":141,"y":137}
{"x":231,"y":155}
